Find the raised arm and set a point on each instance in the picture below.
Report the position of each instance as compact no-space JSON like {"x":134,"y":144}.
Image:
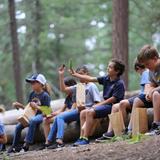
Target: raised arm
{"x":63,"y":87}
{"x":84,"y":77}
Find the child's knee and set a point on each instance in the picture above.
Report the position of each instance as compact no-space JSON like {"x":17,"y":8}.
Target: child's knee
{"x":33,"y":121}
{"x":90,"y":112}
{"x":123,"y":104}
{"x":114,"y":109}
{"x":155,"y":95}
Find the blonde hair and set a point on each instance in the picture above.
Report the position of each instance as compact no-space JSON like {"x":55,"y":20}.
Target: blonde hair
{"x":47,"y":88}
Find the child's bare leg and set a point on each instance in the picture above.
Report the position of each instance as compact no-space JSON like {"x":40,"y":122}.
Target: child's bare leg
{"x":123,"y":106}
{"x":82,"y":121}
{"x":46,"y":126}
{"x":115,"y":108}
{"x":90,"y":114}
{"x":136,"y":104}
{"x":156,"y":106}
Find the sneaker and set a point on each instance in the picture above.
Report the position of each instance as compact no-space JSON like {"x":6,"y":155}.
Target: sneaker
{"x":13,"y":149}
{"x":55,"y":146}
{"x":108,"y":135}
{"x":155,"y":130}
{"x":83,"y":142}
{"x":76,"y":143}
{"x":25,"y":148}
{"x":101,"y":139}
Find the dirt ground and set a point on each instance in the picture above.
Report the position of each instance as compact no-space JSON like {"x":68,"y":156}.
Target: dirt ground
{"x":148,"y":149}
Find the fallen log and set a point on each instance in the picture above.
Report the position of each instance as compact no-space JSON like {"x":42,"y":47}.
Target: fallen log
{"x":72,"y":130}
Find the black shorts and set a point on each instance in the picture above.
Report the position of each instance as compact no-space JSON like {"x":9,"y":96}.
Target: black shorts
{"x":147,"y":104}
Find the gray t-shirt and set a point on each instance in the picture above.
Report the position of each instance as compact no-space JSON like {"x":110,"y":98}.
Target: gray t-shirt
{"x":92,"y":94}
{"x":154,"y":76}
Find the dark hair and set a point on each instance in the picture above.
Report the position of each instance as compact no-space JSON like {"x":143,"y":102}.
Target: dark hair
{"x":118,"y":66}
{"x":83,"y":68}
{"x":147,"y":52}
{"x":138,"y":65}
{"x":69,"y":81}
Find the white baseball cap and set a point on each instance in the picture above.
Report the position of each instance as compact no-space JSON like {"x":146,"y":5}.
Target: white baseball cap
{"x":37,"y":77}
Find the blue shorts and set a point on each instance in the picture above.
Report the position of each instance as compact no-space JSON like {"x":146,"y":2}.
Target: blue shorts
{"x":147,"y":104}
{"x":102,"y":111}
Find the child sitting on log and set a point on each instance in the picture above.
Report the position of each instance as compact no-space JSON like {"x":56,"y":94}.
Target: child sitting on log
{"x":149,"y":56}
{"x":126,"y":105}
{"x":68,"y":103}
{"x":113,"y":92}
{"x":41,"y":92}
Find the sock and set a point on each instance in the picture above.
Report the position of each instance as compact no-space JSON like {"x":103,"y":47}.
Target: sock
{"x":129,"y":128}
{"x":85,"y":138}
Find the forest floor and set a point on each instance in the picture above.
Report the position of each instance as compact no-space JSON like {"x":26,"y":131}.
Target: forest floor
{"x":148,"y":149}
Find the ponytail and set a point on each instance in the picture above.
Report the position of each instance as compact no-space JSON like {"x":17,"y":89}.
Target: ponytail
{"x":47,"y":88}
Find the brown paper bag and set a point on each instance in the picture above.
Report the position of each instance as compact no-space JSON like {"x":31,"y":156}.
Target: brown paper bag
{"x":117,"y":123}
{"x":80,"y":96}
{"x":29,"y":112}
{"x":139,"y":121}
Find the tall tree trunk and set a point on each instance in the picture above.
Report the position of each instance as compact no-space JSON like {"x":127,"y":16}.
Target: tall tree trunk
{"x":37,"y":30}
{"x":15,"y":52}
{"x":120,"y":34}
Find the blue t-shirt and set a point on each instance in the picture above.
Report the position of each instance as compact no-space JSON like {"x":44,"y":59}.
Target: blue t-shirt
{"x":2,"y":132}
{"x":43,"y":97}
{"x":144,"y":80}
{"x":112,"y":88}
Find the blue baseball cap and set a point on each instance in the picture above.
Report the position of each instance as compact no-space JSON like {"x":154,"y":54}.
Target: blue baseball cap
{"x":37,"y":77}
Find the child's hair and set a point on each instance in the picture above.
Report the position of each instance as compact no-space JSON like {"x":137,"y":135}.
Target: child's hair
{"x":147,"y":52}
{"x":83,"y":68}
{"x":138,"y":65}
{"x":69,"y":81}
{"x":47,"y":88}
{"x":119,"y":66}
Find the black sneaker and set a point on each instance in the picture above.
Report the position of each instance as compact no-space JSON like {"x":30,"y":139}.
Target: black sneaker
{"x":108,"y":135}
{"x":56,"y":145}
{"x":101,"y":139}
{"x":155,"y":130}
{"x":25,"y":148}
{"x":13,"y":149}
